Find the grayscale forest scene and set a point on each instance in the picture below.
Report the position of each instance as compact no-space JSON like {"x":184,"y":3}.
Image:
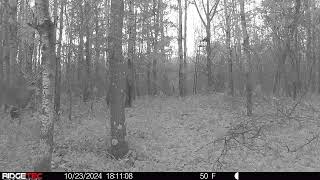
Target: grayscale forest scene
{"x":159,"y":85}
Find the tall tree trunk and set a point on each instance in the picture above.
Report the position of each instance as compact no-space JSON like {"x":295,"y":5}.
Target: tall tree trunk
{"x":6,"y":46}
{"x":30,"y":46}
{"x":87,"y":79}
{"x":149,"y":62}
{"x":313,"y":34}
{"x":46,"y":30}
{"x":13,"y":42}
{"x":209,"y":14}
{"x":318,"y":60}
{"x":162,"y":35}
{"x":97,"y":45}
{"x":39,"y":70}
{"x":135,"y":57}
{"x":246,"y":47}
{"x":310,"y":45}
{"x":2,"y":33}
{"x":22,"y":48}
{"x":209,"y":62}
{"x":80,"y":49}
{"x":293,"y":45}
{"x":119,"y":146}
{"x":69,"y":72}
{"x":280,"y":71}
{"x":240,"y":61}
{"x":185,"y":50}
{"x":107,"y":10}
{"x":6,"y":52}
{"x":195,"y":77}
{"x":131,"y":55}
{"x":57,"y":90}
{"x":318,"y":47}
{"x":155,"y":46}
{"x":228,"y":44}
{"x":29,"y":54}
{"x":295,"y":60}
{"x":181,"y":71}
{"x":237,"y":50}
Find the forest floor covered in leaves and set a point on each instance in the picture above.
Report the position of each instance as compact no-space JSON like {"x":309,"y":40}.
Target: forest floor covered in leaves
{"x":195,"y":133}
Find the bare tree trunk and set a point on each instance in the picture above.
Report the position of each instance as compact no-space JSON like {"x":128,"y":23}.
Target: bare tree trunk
{"x":314,"y":43}
{"x":80,"y":50}
{"x":147,"y":28}
{"x":13,"y":29}
{"x":97,"y":44}
{"x":30,"y":46}
{"x":2,"y":50}
{"x":57,"y":93}
{"x":195,"y":76}
{"x":209,"y":61}
{"x":295,"y":65}
{"x":131,"y":55}
{"x":29,"y":54}
{"x":293,"y":44}
{"x":39,"y":70}
{"x":22,"y":48}
{"x":96,"y":62}
{"x":228,"y":44}
{"x":161,"y":14}
{"x":248,"y":57}
{"x":310,"y":45}
{"x":87,"y":79}
{"x":209,"y":14}
{"x":282,"y":55}
{"x":6,"y":49}
{"x":156,"y":33}
{"x":69,"y":73}
{"x":181,"y":70}
{"x":240,"y":61}
{"x":2,"y":33}
{"x":106,"y":48}
{"x":185,"y":50}
{"x":238,"y":85}
{"x":318,"y":47}
{"x":134,"y":70}
{"x":119,"y":146}
{"x":46,"y":30}
{"x":149,"y":63}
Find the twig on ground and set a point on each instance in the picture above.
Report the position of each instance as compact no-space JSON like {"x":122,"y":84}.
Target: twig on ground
{"x":110,"y":155}
{"x":218,"y":164}
{"x":211,"y":142}
{"x":303,"y":145}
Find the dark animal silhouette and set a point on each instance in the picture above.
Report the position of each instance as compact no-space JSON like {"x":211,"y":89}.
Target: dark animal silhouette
{"x":15,"y":98}
{"x":14,"y":112}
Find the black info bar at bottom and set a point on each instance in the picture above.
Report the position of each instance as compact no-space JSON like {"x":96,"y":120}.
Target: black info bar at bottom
{"x":160,"y":175}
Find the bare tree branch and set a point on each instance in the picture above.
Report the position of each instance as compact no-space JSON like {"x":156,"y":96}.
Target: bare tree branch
{"x":204,"y":8}
{"x":303,"y":145}
{"x":204,"y":23}
{"x":214,"y":9}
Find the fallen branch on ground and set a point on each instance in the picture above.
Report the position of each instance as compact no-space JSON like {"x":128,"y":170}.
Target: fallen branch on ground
{"x":303,"y":145}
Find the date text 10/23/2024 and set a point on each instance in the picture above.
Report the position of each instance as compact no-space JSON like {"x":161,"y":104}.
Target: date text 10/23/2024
{"x":141,"y":175}
{"x":116,"y":175}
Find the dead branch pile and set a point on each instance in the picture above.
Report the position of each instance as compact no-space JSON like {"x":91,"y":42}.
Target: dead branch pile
{"x":250,"y":132}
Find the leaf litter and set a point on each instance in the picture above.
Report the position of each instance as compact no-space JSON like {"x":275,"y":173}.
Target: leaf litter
{"x":175,"y":134}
